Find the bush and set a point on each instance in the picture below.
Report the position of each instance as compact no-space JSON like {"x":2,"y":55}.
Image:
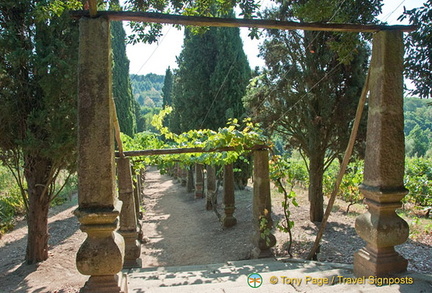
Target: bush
{"x":65,"y":193}
{"x":418,"y":180}
{"x":349,"y":188}
{"x":11,"y":202}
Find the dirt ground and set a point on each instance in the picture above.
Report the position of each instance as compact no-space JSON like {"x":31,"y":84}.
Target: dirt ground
{"x":178,"y":230}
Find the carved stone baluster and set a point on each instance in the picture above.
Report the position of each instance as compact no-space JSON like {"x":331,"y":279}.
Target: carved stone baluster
{"x":263,"y":239}
{"x":101,"y":255}
{"x":228,"y":219}
{"x":211,"y":187}
{"x":383,"y":186}
{"x":199,"y":181}
{"x":128,"y":217}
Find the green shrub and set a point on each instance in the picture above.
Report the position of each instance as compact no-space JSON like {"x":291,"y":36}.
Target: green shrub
{"x":11,"y":205}
{"x":349,"y":187}
{"x":418,"y":180}
{"x":11,"y":200}
{"x":65,"y":192}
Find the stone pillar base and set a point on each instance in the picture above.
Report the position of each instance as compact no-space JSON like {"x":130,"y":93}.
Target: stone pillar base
{"x":106,"y":284}
{"x":199,"y":190}
{"x":140,"y":232}
{"x":258,"y":253}
{"x":384,"y":263}
{"x":209,"y":205}
{"x":228,"y":221}
{"x":262,"y":246}
{"x":133,"y":250}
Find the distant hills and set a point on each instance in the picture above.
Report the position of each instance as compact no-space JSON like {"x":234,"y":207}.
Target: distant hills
{"x":147,"y":89}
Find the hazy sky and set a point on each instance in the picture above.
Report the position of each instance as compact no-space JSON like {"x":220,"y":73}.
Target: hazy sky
{"x":156,"y":58}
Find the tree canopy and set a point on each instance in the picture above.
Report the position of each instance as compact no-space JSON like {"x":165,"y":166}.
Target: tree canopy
{"x":38,"y":69}
{"x":309,"y":89}
{"x":211,"y":79}
{"x":418,"y":57}
{"x":122,"y":91}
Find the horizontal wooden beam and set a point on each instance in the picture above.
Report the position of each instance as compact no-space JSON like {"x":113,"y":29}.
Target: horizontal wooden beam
{"x":236,"y":22}
{"x":156,"y":152}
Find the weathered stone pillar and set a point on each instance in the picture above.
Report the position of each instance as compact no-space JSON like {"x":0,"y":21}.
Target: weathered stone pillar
{"x":101,"y":254}
{"x":228,"y":219}
{"x":199,"y":181}
{"x":190,"y":179}
{"x":128,"y":216}
{"x":183,"y":175}
{"x":137,"y":193}
{"x":211,"y":187}
{"x":141,"y":179}
{"x":263,"y":239}
{"x":138,"y":198}
{"x":383,"y":186}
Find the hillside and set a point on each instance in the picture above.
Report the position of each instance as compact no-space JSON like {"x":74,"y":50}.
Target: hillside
{"x":418,"y":127}
{"x":147,"y":89}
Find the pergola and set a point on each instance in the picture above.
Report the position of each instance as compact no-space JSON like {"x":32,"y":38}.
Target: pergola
{"x":102,"y":254}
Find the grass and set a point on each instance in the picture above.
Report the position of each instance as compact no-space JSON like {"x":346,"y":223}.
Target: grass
{"x":11,"y":201}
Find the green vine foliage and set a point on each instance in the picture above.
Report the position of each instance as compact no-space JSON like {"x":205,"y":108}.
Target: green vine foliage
{"x":265,"y":228}
{"x":285,"y":178}
{"x":238,"y":136}
{"x":349,"y":188}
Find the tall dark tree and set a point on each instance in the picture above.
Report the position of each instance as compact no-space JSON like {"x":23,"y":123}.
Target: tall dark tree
{"x":139,"y":118}
{"x":167,"y":88}
{"x":418,"y":61}
{"x":211,"y":79}
{"x":122,"y":91}
{"x":38,"y":62}
{"x":192,"y":84}
{"x":310,"y":88}
{"x":210,"y":84}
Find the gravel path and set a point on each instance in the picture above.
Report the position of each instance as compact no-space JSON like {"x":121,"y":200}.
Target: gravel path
{"x":178,"y":230}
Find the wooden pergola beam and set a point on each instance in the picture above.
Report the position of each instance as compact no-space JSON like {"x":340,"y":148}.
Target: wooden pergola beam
{"x":236,"y":22}
{"x":155,"y":152}
{"x":92,"y":7}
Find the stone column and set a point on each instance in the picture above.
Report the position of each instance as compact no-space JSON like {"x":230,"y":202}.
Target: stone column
{"x":183,"y":175}
{"x":128,"y":216}
{"x":211,"y":187}
{"x":141,"y":179}
{"x":228,"y":219}
{"x":199,"y":181}
{"x":137,"y":193}
{"x":101,"y":254}
{"x":383,"y":186}
{"x":138,"y":198}
{"x":190,"y":179}
{"x":262,"y":239}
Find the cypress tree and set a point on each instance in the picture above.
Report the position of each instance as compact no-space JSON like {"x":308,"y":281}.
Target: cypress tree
{"x":210,"y":84}
{"x":167,"y":88}
{"x":38,"y":69}
{"x":122,"y":90}
{"x":211,"y":80}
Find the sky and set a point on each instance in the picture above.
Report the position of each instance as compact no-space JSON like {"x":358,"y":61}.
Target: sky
{"x":156,"y":58}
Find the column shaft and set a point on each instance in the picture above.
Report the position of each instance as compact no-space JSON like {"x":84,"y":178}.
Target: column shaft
{"x":199,"y":181}
{"x":263,"y":239}
{"x":128,"y":217}
{"x":101,"y":254}
{"x":228,"y":219}
{"x":211,"y":187}
{"x":383,"y":186}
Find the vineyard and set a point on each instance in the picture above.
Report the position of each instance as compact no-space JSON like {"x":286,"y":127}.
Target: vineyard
{"x":289,"y":172}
